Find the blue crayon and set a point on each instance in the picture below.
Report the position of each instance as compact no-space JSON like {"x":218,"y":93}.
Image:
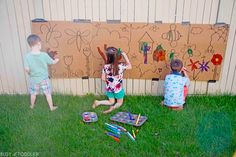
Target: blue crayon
{"x":120,"y":127}
{"x":113,"y":131}
{"x":130,"y":116}
{"x":115,"y":127}
{"x":111,"y":134}
{"x":117,"y":130}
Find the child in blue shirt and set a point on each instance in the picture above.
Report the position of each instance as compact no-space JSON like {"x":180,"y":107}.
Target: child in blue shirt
{"x":36,"y":65}
{"x":174,"y":86}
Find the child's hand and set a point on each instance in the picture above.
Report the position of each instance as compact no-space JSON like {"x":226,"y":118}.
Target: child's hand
{"x":55,"y":60}
{"x":183,"y":69}
{"x":184,"y":72}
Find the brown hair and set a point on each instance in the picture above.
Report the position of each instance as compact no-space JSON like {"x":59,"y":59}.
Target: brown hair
{"x":112,"y":58}
{"x":33,"y":40}
{"x":176,"y":65}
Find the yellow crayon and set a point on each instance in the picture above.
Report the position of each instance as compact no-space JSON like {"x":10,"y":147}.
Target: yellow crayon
{"x":137,"y":119}
{"x":133,"y":134}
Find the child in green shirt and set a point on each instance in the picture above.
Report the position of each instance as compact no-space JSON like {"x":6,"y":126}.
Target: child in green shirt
{"x":36,"y":65}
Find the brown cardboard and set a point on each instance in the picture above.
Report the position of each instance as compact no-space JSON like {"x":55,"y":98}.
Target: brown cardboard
{"x":77,"y":47}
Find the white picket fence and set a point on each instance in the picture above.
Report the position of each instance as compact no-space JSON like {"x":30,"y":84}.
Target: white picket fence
{"x":15,"y":26}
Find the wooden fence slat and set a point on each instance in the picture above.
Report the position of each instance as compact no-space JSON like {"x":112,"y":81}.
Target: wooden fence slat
{"x":91,"y":85}
{"x":3,"y":78}
{"x":102,"y":10}
{"x":88,"y":9}
{"x":79,"y":86}
{"x":131,"y":11}
{"x":179,"y":11}
{"x":46,"y":9}
{"x":12,"y":53}
{"x":154,"y":87}
{"x":81,"y":8}
{"x":85,"y":85}
{"x":117,"y":9}
{"x":23,"y":11}
{"x":98,"y":86}
{"x":148,"y":87}
{"x":95,"y":10}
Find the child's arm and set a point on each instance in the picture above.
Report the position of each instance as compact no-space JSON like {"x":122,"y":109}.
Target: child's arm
{"x":55,"y":61}
{"x":184,"y":71}
{"x":128,"y":64}
{"x":27,"y":70}
{"x":103,"y":77}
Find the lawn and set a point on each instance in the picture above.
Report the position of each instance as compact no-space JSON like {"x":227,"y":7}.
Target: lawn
{"x":207,"y":127}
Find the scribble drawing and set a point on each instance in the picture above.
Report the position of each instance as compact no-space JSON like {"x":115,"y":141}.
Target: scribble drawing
{"x":220,"y":33}
{"x":87,"y":52}
{"x":172,"y":55}
{"x":190,"y":50}
{"x":102,"y":53}
{"x":172,"y":35}
{"x":78,"y":37}
{"x":68,"y":60}
{"x":51,"y":34}
{"x":159,"y":54}
{"x":141,"y":72}
{"x":194,"y":67}
{"x":203,"y":67}
{"x":154,"y":28}
{"x":196,"y":30}
{"x":108,"y":37}
{"x":216,"y":60}
{"x":146,"y":45}
{"x":129,"y":27}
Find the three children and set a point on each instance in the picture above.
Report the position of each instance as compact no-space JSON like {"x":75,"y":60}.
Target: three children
{"x":36,"y":65}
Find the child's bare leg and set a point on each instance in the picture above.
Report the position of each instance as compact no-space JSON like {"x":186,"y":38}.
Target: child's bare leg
{"x":32,"y":100}
{"x":50,"y":103}
{"x":162,"y":103}
{"x":96,"y":103}
{"x":117,"y":105}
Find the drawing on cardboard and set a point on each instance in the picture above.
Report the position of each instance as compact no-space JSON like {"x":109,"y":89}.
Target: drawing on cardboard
{"x":150,"y":47}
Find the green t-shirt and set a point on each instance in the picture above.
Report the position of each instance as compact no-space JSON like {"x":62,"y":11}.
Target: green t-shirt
{"x":38,"y":66}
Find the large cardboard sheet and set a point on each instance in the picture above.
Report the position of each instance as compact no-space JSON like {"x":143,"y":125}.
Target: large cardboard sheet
{"x":150,"y":47}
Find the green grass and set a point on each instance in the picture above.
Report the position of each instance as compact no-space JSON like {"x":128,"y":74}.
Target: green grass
{"x":207,"y":127}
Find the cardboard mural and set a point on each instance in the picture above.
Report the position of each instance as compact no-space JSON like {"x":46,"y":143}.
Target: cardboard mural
{"x":150,"y":47}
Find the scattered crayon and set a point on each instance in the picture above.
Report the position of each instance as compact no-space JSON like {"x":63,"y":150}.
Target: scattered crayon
{"x":130,"y":136}
{"x":112,"y":131}
{"x":133,"y":134}
{"x":111,"y":134}
{"x":120,"y":127}
{"x":115,"y":138}
{"x":115,"y":127}
{"x":137,"y":119}
{"x":130,"y":116}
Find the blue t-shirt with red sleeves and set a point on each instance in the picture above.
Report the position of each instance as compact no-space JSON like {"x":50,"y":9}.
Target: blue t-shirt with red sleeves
{"x":174,"y":89}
